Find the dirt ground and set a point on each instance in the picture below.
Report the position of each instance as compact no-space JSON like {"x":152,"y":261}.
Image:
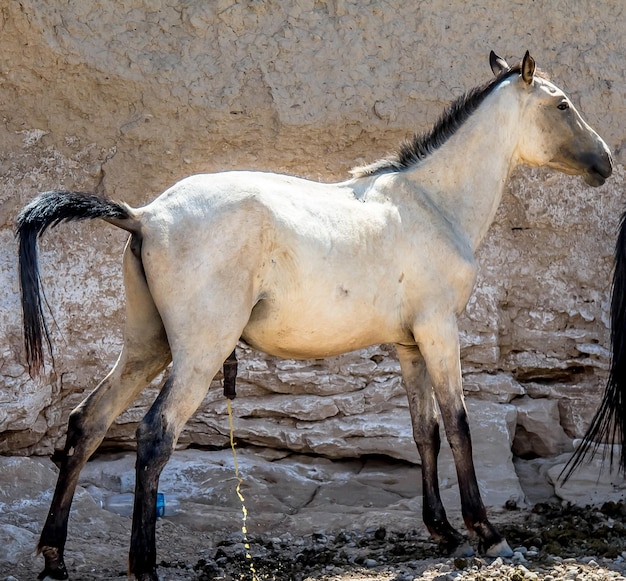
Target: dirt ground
{"x":346,"y":521}
{"x":551,"y":542}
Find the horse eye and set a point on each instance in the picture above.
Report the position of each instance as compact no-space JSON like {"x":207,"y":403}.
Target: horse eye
{"x":563,"y":106}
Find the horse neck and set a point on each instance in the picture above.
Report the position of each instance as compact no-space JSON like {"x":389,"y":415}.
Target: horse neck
{"x":466,"y":176}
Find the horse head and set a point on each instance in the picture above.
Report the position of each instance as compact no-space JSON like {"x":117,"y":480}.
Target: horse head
{"x":552,"y":131}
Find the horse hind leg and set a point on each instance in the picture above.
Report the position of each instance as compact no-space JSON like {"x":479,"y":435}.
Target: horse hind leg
{"x":201,"y":339}
{"x":157,"y":435}
{"x":144,"y":355}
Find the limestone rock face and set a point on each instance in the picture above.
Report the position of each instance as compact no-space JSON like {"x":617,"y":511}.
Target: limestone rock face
{"x":126,"y":98}
{"x":539,"y":431}
{"x":593,"y":483}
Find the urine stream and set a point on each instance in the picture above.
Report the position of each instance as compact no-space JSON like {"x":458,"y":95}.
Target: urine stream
{"x":244,"y":510}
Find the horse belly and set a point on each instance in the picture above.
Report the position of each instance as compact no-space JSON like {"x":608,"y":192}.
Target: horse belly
{"x":304,"y":330}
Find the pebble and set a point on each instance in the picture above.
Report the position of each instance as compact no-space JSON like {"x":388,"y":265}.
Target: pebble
{"x":370,"y":563}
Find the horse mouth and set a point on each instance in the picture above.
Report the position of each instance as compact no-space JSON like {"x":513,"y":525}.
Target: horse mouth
{"x":594,"y":179}
{"x":596,"y":176}
{"x":594,"y":168}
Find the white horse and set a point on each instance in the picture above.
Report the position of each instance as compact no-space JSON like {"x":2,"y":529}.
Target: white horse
{"x":301,"y":269}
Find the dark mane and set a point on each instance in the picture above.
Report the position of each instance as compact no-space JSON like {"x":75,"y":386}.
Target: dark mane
{"x":422,"y":145}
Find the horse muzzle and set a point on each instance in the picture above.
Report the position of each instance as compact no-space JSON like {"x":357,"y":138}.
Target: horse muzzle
{"x":598,"y":172}
{"x":594,"y":167}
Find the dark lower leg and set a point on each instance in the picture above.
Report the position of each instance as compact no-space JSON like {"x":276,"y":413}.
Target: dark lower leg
{"x":434,"y":514}
{"x":154,"y":446}
{"x":474,"y":512}
{"x":79,"y":446}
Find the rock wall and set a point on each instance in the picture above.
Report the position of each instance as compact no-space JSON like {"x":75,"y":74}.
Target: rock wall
{"x":125,"y":98}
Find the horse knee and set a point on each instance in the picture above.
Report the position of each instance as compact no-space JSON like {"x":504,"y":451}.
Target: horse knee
{"x":427,"y":436}
{"x":458,"y":432}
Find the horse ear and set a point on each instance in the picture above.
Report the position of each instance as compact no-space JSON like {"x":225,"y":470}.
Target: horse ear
{"x":528,"y":68}
{"x":498,"y":64}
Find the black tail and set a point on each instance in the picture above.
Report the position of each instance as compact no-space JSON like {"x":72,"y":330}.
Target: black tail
{"x":48,"y":210}
{"x":609,"y":423}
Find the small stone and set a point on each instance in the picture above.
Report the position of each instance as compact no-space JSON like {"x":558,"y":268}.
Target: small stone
{"x":370,"y":563}
{"x":460,"y":563}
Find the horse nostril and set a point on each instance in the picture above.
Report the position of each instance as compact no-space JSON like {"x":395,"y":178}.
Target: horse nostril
{"x":601,"y":165}
{"x":605,"y":169}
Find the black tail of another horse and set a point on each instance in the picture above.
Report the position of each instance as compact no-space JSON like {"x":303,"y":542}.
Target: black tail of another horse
{"x":609,"y":423}
{"x":48,"y":210}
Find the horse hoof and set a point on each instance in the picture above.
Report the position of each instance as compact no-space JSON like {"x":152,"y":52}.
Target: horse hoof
{"x":52,"y":575}
{"x":500,"y":549}
{"x":147,"y":577}
{"x":55,"y":567}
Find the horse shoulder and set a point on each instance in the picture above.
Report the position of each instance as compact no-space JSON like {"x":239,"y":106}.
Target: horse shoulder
{"x":439,"y":264}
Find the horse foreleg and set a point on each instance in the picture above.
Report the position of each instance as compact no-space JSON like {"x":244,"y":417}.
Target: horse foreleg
{"x":426,"y":434}
{"x":439,"y":344}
